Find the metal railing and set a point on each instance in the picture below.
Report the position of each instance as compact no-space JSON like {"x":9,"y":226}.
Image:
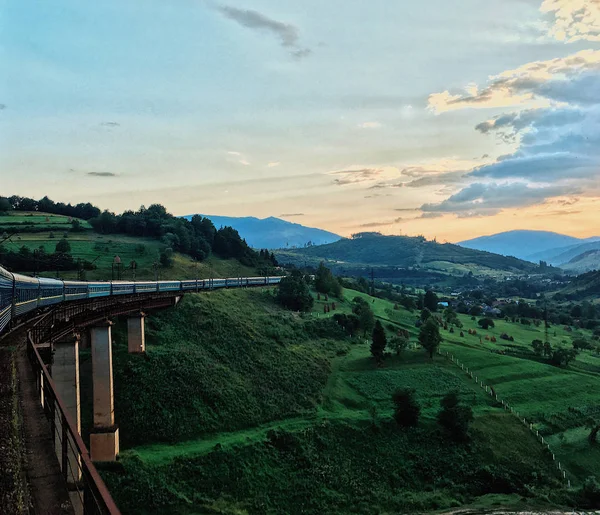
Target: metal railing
{"x":88,"y":492}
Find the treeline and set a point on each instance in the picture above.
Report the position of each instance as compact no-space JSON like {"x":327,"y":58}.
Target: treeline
{"x":197,"y":237}
{"x":46,"y":205}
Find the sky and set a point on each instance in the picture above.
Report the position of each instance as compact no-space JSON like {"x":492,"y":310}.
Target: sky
{"x":446,"y":119}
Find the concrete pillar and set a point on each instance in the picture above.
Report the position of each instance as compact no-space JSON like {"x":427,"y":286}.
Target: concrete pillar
{"x":65,"y":374}
{"x":104,"y":437}
{"x":136,"y":339}
{"x":84,"y":338}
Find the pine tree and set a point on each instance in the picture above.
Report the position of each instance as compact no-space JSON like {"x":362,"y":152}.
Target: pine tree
{"x":379,"y":342}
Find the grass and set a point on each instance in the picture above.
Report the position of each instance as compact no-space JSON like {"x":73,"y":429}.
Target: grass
{"x":22,"y":220}
{"x":254,"y":409}
{"x":101,"y":251}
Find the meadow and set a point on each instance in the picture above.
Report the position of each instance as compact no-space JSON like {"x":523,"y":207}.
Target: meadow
{"x":101,"y":251}
{"x":253,"y":409}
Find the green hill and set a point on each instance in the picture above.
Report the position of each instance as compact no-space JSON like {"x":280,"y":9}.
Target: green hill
{"x":255,"y":409}
{"x":404,"y":251}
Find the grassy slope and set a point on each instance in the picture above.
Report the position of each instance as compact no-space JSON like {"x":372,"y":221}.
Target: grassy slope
{"x":102,"y":249}
{"x":406,"y":251}
{"x":267,"y":415}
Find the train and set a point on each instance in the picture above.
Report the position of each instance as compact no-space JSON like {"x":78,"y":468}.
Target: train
{"x":20,"y":294}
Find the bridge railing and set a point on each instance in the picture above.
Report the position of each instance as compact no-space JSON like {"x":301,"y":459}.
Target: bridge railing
{"x":88,"y":492}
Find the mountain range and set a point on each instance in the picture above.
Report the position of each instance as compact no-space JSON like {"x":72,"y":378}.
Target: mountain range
{"x":567,"y":252}
{"x":374,"y":249}
{"x":273,"y":233}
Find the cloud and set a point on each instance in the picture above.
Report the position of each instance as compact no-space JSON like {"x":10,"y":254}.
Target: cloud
{"x":381,"y":224}
{"x":274,"y":164}
{"x":287,"y":34}
{"x":290,"y":215}
{"x":2,"y":107}
{"x":484,"y":199}
{"x":574,"y":20}
{"x":102,"y":174}
{"x":234,"y":153}
{"x":557,"y":136}
{"x":535,"y":85}
{"x":244,"y":162}
{"x":431,"y":215}
{"x":370,"y":125}
{"x":110,"y":124}
{"x":356,"y":176}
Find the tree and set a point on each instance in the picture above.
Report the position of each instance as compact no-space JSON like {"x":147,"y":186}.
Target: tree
{"x":398,"y":343}
{"x":562,"y":357}
{"x":5,"y":205}
{"x":454,"y":417}
{"x":166,"y":257}
{"x":486,"y":323}
{"x":429,"y":336}
{"x":538,"y":347}
{"x":425,"y":314}
{"x":406,"y":409}
{"x":63,"y":246}
{"x":451,"y":317}
{"x":378,"y":343}
{"x":326,"y":283}
{"x":293,"y":293}
{"x":364,"y":313}
{"x":430,"y":301}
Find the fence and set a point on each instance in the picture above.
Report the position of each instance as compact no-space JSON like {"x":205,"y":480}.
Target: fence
{"x":507,"y":407}
{"x":87,"y":491}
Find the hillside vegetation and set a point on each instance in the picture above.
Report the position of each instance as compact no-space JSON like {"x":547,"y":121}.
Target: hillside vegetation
{"x":255,"y":409}
{"x":403,"y":251}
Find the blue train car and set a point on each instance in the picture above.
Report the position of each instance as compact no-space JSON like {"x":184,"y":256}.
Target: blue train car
{"x":218,"y":283}
{"x":169,"y":285}
{"x":189,"y":285}
{"x":122,"y":288}
{"x":145,"y":287}
{"x":51,"y":291}
{"x":6,"y":297}
{"x":75,"y":290}
{"x":27,"y":292}
{"x":98,"y":289}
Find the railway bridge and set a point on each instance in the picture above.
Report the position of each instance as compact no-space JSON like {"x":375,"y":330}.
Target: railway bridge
{"x":58,"y":319}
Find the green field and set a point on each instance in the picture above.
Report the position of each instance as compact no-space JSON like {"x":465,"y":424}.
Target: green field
{"x":21,"y":221}
{"x":101,"y":251}
{"x":253,"y":409}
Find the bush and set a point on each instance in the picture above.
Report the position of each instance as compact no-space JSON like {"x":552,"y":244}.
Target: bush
{"x":486,"y":323}
{"x":591,"y":492}
{"x":406,"y":409}
{"x":293,"y":293}
{"x":63,"y":246}
{"x":397,"y":344}
{"x":454,"y":417}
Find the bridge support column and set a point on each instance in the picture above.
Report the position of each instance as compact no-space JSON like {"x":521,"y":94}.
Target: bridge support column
{"x":104,"y":438}
{"x":136,"y":338}
{"x":84,"y":338}
{"x":65,"y":374}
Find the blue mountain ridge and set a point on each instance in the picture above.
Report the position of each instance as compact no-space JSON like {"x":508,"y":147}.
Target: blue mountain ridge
{"x":524,"y":244}
{"x":272,"y":232}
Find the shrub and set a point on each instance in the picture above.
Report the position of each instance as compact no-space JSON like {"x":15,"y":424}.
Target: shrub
{"x":293,"y":293}
{"x":454,"y":417}
{"x":406,"y":409}
{"x":486,"y":323}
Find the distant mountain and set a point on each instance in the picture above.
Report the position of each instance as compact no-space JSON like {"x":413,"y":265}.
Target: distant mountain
{"x":402,"y":251}
{"x":528,"y":245}
{"x":563,"y":255}
{"x":273,"y":233}
{"x":584,"y":262}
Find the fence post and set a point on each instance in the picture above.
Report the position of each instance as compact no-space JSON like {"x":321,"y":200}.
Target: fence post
{"x":64,"y":448}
